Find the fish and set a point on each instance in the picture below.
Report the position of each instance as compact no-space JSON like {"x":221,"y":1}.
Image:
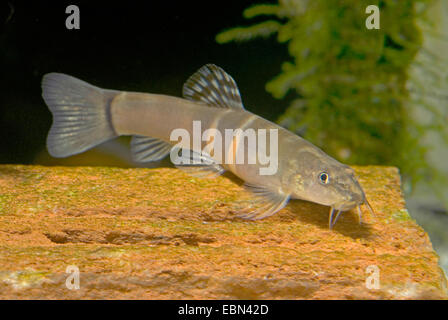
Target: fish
{"x":85,"y":116}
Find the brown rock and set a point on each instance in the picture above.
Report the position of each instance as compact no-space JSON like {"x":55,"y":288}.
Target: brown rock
{"x":160,"y":234}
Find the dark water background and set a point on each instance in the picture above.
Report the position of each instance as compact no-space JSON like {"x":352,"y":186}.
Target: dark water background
{"x":151,"y":46}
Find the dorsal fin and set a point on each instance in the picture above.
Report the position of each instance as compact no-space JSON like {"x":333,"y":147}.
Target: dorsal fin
{"x":213,"y":86}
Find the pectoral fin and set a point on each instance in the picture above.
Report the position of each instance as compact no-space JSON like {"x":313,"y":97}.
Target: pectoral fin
{"x":146,"y":149}
{"x":269,"y":200}
{"x":199,"y":165}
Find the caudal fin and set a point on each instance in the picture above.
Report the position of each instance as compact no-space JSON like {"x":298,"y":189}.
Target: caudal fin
{"x":81,"y":118}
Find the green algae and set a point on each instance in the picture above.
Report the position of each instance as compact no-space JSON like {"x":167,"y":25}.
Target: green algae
{"x":24,"y":279}
{"x":401,"y":215}
{"x":5,"y":203}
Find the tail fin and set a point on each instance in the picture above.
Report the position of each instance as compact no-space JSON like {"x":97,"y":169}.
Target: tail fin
{"x":81,"y":118}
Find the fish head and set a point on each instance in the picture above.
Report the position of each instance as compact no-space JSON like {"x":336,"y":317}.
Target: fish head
{"x":324,"y":180}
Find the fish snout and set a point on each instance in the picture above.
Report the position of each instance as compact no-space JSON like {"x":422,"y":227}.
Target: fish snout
{"x":357,"y":198}
{"x":351,"y":201}
{"x":345,"y":206}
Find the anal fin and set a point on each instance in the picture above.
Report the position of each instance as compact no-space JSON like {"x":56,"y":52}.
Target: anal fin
{"x":269,"y":200}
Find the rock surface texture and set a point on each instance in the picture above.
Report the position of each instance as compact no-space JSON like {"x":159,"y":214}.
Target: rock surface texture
{"x":161,"y":234}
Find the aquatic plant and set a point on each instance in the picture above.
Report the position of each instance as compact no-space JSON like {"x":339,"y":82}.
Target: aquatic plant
{"x":352,"y":85}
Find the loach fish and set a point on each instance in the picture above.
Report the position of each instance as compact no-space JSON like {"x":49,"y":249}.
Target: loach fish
{"x":85,"y":116}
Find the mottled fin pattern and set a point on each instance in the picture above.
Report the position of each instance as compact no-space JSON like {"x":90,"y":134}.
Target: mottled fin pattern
{"x":146,"y":149}
{"x":269,"y":201}
{"x":211,"y":85}
{"x":198,"y":165}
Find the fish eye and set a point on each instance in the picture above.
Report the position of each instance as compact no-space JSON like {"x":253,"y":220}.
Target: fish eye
{"x":324,"y":178}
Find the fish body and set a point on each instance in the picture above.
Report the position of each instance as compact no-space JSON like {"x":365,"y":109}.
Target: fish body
{"x":85,"y":116}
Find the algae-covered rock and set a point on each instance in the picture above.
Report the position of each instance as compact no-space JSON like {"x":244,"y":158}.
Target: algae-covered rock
{"x":160,"y":234}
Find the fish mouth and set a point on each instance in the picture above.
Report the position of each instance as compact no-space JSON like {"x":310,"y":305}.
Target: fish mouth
{"x":345,"y":206}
